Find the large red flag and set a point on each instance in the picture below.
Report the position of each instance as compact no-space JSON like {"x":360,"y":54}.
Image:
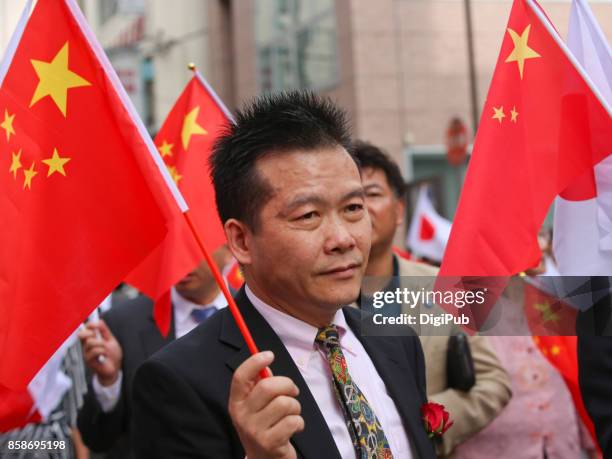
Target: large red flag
{"x":542,"y":127}
{"x":79,"y":180}
{"x":185,"y":142}
{"x":42,"y":396}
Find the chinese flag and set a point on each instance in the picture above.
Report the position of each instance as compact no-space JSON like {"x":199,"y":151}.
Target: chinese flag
{"x":541,"y":128}
{"x":546,"y":314}
{"x":185,"y":143}
{"x":81,"y":197}
{"x":562,"y":353}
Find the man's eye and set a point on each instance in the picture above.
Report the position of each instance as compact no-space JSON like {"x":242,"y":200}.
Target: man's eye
{"x":308,"y":216}
{"x":354,"y":207}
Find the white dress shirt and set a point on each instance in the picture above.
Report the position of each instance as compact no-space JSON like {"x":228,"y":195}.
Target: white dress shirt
{"x":183,"y":322}
{"x":299,"y":339}
{"x":108,"y":396}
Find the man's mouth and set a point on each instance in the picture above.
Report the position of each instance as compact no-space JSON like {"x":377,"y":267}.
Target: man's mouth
{"x":343,"y":272}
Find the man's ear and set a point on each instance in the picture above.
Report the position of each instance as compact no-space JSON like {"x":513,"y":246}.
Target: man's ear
{"x":400,"y":209}
{"x":239,"y":240}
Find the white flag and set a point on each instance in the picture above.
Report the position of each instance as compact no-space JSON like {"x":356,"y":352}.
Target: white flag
{"x":582,"y":238}
{"x":428,"y":233}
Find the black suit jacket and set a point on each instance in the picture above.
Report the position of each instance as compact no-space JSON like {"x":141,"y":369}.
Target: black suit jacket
{"x":181,"y":393}
{"x":595,"y":376}
{"x":132,"y":324}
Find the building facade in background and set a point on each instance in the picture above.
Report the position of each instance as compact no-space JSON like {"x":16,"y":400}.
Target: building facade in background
{"x":10,"y":10}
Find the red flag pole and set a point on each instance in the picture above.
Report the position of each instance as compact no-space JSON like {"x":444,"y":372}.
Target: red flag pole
{"x":242,"y":326}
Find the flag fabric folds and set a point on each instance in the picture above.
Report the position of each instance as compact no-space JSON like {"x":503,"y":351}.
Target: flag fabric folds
{"x":543,"y":126}
{"x":43,"y":394}
{"x":81,"y":194}
{"x":583,"y":212}
{"x":428,"y":233}
{"x":185,"y":142}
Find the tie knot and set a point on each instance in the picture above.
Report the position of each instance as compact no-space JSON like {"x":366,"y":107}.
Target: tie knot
{"x":328,"y":336}
{"x":200,"y":315}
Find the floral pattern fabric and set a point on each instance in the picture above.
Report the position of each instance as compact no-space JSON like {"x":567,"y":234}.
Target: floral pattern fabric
{"x":364,"y":427}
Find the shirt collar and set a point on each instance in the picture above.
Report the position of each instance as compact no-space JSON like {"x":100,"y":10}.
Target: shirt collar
{"x":183,"y":307}
{"x":297,"y":335}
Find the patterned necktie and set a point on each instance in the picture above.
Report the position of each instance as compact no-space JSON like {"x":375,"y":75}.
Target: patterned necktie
{"x":364,"y":427}
{"x":200,"y":315}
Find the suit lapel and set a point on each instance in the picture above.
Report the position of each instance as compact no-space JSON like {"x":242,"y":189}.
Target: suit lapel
{"x":393,"y":368}
{"x":316,"y":440}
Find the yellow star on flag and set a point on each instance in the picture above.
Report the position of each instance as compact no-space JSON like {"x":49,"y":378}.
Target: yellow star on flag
{"x":56,"y":163}
{"x":7,"y":124}
{"x":29,"y":175}
{"x":16,"y":163}
{"x":174,"y":174}
{"x":555,"y":350}
{"x":191,"y":127}
{"x":521,"y":51}
{"x":546,"y":312}
{"x":165,"y":149}
{"x":514,"y":114}
{"x":499,"y":113}
{"x":55,"y":79}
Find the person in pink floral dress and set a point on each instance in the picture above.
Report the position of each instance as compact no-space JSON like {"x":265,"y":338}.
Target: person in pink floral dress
{"x":540,"y":420}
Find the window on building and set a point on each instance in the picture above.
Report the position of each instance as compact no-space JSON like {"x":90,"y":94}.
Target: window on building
{"x":296,"y":44}
{"x":108,"y":8}
{"x":148,"y":80}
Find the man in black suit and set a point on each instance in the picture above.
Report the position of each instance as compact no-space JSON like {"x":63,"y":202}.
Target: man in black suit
{"x":292,"y":203}
{"x":126,"y":337}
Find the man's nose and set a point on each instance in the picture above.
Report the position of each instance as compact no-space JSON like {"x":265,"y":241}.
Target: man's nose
{"x":339,"y":237}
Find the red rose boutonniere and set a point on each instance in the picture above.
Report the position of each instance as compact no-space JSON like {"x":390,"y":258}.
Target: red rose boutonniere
{"x":436,"y":419}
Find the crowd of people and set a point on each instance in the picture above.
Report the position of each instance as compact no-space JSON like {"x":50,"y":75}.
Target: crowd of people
{"x":308,"y":212}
